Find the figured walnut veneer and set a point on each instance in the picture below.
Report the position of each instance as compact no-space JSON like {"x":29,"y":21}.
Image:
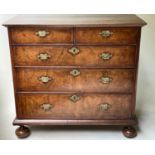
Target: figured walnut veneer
{"x":75,"y":70}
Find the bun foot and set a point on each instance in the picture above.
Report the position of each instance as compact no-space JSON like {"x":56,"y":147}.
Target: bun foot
{"x":129,"y":132}
{"x":22,"y":132}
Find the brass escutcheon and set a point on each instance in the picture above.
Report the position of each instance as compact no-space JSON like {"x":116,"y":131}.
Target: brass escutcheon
{"x":45,"y":79}
{"x":106,"y":33}
{"x":42,"y":33}
{"x":74,"y":98}
{"x":43,"y":56}
{"x":105,"y":56}
{"x":105,"y":79}
{"x":74,"y":51}
{"x":104,"y":106}
{"x":46,"y":106}
{"x":75,"y":72}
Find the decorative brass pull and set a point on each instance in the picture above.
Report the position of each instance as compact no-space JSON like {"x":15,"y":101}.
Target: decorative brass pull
{"x":43,"y":56}
{"x":74,"y":98}
{"x":74,"y":51}
{"x":75,"y":72}
{"x":46,"y":106}
{"x":42,"y":33}
{"x":105,"y":79}
{"x":106,"y":33}
{"x":105,"y":56}
{"x":104,"y":106}
{"x":45,"y":79}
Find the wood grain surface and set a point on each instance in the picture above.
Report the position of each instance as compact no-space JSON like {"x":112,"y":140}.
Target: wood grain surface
{"x":122,"y":56}
{"x":87,"y":81}
{"x":28,"y":35}
{"x":84,"y":20}
{"x":87,"y":107}
{"x":119,"y":35}
{"x":83,"y":33}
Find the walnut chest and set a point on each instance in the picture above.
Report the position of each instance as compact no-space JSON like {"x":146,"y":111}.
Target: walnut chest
{"x":75,"y":70}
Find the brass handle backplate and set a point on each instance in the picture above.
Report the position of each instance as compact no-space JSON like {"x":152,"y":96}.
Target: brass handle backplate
{"x":105,"y":56}
{"x":45,"y":79}
{"x":75,"y":72}
{"x":74,"y":51}
{"x":46,"y":106}
{"x":106,"y":79}
{"x":106,"y":33}
{"x":42,"y":33}
{"x":43,"y":56}
{"x":74,"y":98}
{"x":104,"y":106}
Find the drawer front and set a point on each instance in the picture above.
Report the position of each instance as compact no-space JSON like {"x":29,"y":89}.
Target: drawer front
{"x":61,"y":106}
{"x":81,"y":80}
{"x":41,"y":35}
{"x":102,"y":56}
{"x":107,"y":35}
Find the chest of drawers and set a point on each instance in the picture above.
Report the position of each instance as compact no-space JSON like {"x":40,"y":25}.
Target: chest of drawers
{"x":75,"y":70}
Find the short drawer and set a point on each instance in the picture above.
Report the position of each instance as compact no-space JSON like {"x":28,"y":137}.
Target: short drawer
{"x":79,"y":80}
{"x":41,"y":35}
{"x":101,"y":56}
{"x":73,"y":106}
{"x":107,"y":35}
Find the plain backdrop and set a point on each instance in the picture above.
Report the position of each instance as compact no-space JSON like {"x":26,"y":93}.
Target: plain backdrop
{"x":145,"y":106}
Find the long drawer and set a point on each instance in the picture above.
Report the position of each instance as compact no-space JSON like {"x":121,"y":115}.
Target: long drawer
{"x":79,"y":80}
{"x":41,"y":35}
{"x":84,"y":106}
{"x":102,"y":56}
{"x":107,"y":35}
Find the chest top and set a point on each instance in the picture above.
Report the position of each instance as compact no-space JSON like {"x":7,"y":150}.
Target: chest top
{"x":122,"y":20}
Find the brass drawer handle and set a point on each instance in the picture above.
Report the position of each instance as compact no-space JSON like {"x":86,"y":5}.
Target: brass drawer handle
{"x":43,"y":56}
{"x":45,"y":79}
{"x":74,"y":98}
{"x":74,"y":51}
{"x":75,"y":72}
{"x":46,"y":106}
{"x":42,"y":33}
{"x":104,"y":106}
{"x":105,"y":56}
{"x":106,"y":79}
{"x":106,"y":33}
